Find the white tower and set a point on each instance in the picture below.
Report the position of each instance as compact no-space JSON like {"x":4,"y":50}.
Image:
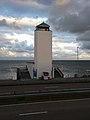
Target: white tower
{"x":43,"y":51}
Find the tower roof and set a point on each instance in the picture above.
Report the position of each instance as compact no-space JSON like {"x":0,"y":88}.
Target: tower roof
{"x":43,"y":25}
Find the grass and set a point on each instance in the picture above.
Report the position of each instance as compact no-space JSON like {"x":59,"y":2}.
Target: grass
{"x":39,"y":98}
{"x":21,"y":83}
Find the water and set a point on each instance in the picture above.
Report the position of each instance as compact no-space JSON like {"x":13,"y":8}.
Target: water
{"x":69,"y":68}
{"x":8,"y":68}
{"x":72,"y":67}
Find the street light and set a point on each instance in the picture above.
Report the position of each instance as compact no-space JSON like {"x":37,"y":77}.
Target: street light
{"x":77,"y":61}
{"x":77,"y":73}
{"x":77,"y":53}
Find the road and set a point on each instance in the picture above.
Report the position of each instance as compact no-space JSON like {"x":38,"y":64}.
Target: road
{"x":23,"y":88}
{"x":53,"y":110}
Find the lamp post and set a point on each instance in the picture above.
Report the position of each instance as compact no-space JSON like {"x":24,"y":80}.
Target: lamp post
{"x":77,"y":61}
{"x":77,"y":53}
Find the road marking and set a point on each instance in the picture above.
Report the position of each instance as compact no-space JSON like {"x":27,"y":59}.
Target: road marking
{"x":33,"y":113}
{"x":52,"y":87}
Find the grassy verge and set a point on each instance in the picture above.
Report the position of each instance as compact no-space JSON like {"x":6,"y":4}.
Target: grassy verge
{"x":39,"y":98}
{"x":4,"y":83}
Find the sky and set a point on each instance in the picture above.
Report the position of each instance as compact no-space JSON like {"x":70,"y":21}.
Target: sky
{"x":69,"y":21}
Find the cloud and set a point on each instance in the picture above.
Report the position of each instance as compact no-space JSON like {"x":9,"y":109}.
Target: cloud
{"x":16,"y":49}
{"x":74,"y":18}
{"x":21,"y":8}
{"x":64,"y":50}
{"x":84,"y":36}
{"x":86,"y":45}
{"x":73,"y":22}
{"x":20,"y":23}
{"x":62,"y":2}
{"x":40,"y":2}
{"x":12,"y":46}
{"x":22,"y":47}
{"x":33,"y":3}
{"x":4,"y":23}
{"x":44,"y":2}
{"x":84,"y":41}
{"x":18,"y":20}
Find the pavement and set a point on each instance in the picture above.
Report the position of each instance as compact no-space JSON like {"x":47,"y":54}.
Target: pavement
{"x":78,"y":109}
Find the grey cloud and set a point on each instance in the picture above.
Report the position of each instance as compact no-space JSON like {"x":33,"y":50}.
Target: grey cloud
{"x":74,"y":23}
{"x":4,"y":42}
{"x":22,"y":8}
{"x":84,"y":37}
{"x":20,"y":47}
{"x":13,"y":25}
{"x":45,"y":2}
{"x":59,"y":11}
{"x":85,"y":45}
{"x":84,"y":40}
{"x":73,"y":17}
{"x":63,"y":55}
{"x":3,"y":23}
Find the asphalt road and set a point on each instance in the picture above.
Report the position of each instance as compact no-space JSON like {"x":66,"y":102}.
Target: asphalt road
{"x":52,"y":110}
{"x":23,"y":88}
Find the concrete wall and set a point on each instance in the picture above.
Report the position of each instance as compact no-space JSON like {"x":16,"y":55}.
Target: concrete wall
{"x":43,"y":52}
{"x":30,"y":67}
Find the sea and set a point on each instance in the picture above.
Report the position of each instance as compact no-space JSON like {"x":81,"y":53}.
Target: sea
{"x":70,"y":68}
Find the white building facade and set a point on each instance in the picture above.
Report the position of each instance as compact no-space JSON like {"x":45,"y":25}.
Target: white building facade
{"x":43,"y":51}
